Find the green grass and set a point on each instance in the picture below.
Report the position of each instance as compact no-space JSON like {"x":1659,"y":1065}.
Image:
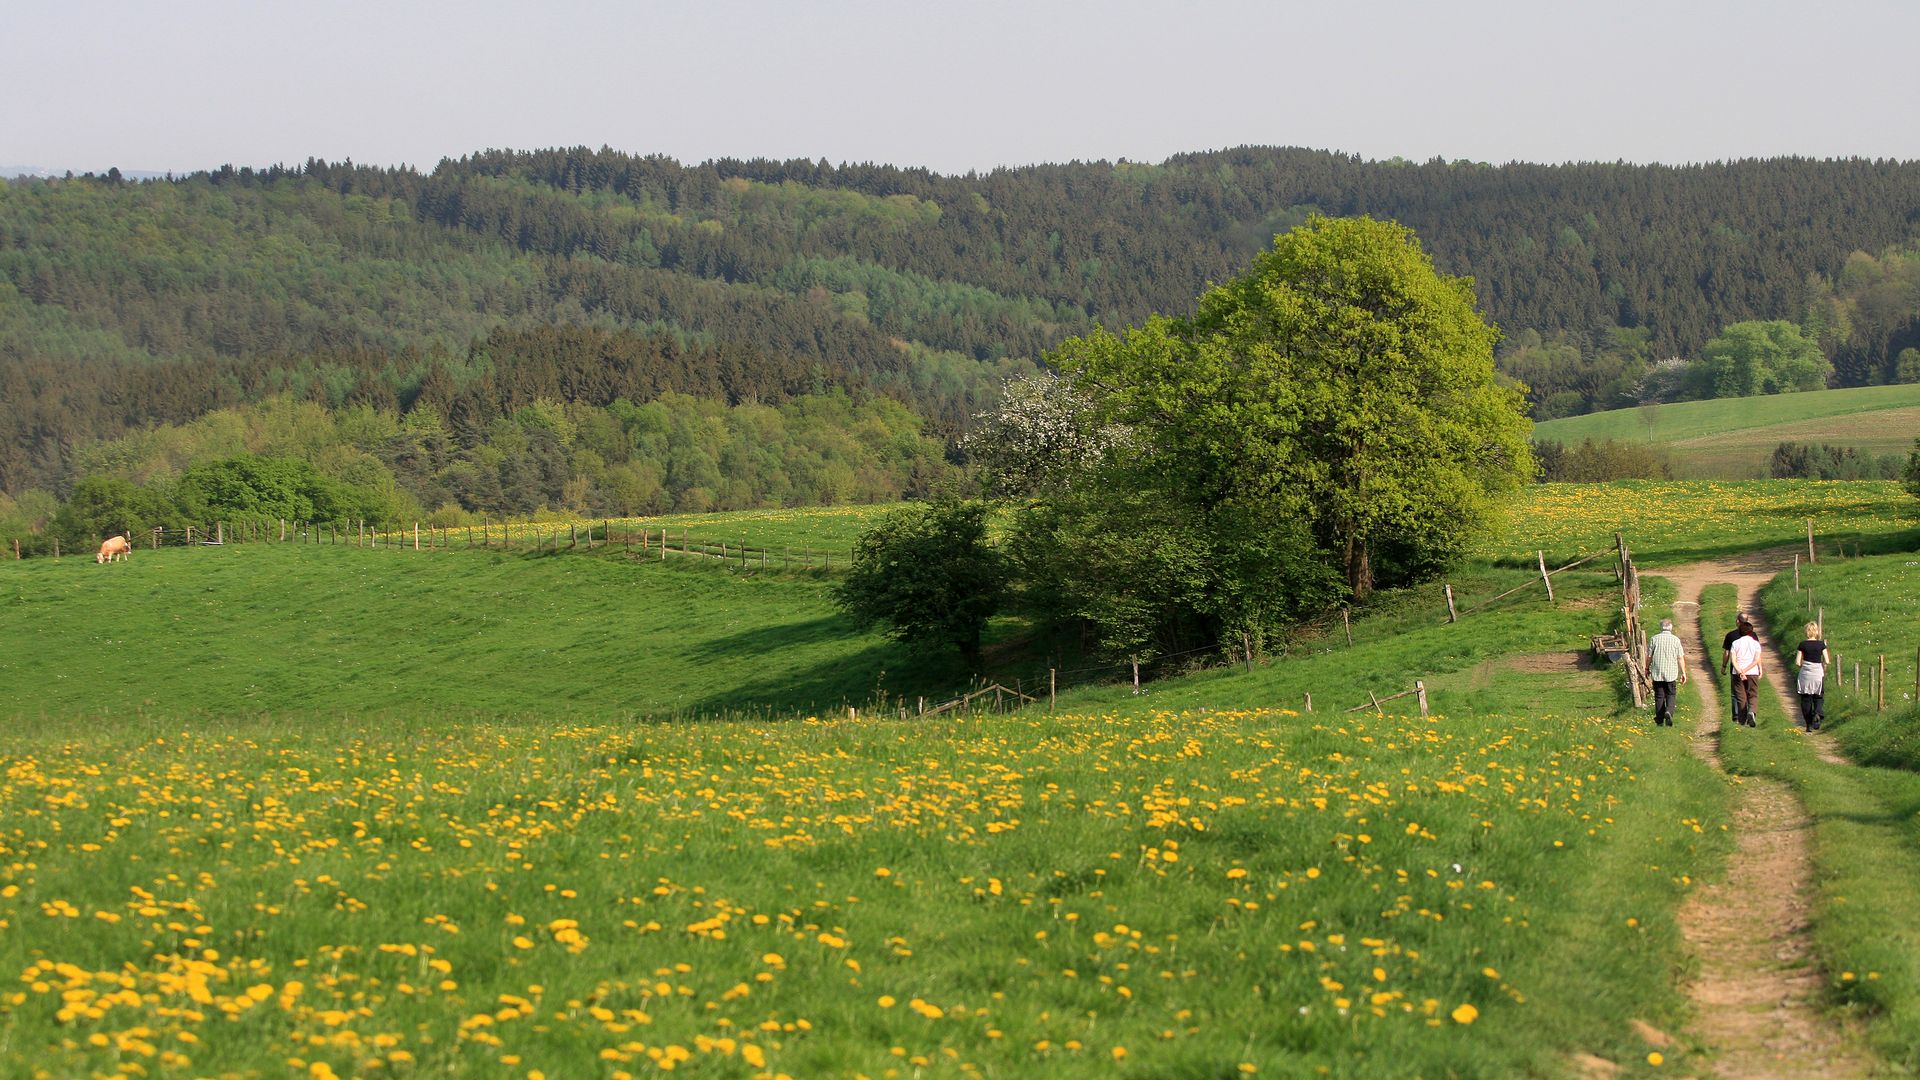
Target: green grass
{"x":1870,"y":605}
{"x":1670,"y":522}
{"x":1735,"y":437}
{"x":1866,"y":861}
{"x":1196,"y":889}
{"x":349,"y":721}
{"x":299,"y":629}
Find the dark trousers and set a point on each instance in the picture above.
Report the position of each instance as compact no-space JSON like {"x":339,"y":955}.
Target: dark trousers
{"x":1663,"y":703}
{"x":1745,"y":690}
{"x":1813,"y":709}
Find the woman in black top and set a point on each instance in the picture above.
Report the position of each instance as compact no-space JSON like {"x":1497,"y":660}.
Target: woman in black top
{"x":1812,"y":659}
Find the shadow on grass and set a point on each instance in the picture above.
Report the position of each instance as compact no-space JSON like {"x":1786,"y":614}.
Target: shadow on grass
{"x":884,"y":673}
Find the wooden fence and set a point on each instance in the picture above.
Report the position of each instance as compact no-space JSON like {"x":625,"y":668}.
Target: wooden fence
{"x":646,"y":542}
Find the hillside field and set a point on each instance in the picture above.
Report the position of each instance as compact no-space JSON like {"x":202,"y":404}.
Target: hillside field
{"x":1733,"y":438}
{"x":325,"y":811}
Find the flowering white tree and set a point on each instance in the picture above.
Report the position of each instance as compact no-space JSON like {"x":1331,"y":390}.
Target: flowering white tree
{"x":1044,"y":432}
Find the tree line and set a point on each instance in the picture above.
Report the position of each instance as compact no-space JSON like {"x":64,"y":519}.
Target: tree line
{"x":303,"y":461}
{"x":127,"y":304}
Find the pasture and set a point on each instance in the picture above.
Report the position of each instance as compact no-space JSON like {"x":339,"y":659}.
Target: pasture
{"x":275,"y":630}
{"x":1733,"y":438}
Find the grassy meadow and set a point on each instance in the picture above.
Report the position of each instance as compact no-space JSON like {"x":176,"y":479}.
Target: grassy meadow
{"x":270,"y":629}
{"x":313,"y":811}
{"x":1127,"y":892}
{"x":1731,"y":438}
{"x":1673,"y":521}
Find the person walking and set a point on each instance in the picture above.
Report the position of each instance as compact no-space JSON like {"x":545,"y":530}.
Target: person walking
{"x":1743,"y":663}
{"x":1666,"y":668}
{"x":1812,"y":659}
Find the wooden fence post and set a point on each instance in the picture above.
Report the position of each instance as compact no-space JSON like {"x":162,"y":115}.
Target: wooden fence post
{"x":1136,"y":661}
{"x":1246,"y":648}
{"x":1420,"y":691}
{"x":1053,"y":690}
{"x":1451,"y":616}
{"x":220,"y":532}
{"x":1309,"y":698}
{"x":1544,"y":579}
{"x":416,"y":536}
{"x":1796,"y":571}
{"x":283,"y":530}
{"x":1880,"y":686}
{"x":16,"y":549}
{"x":1811,"y":557}
{"x":1346,"y":621}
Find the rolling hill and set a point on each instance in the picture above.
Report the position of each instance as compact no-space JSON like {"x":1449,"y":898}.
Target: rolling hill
{"x":1732,"y":438}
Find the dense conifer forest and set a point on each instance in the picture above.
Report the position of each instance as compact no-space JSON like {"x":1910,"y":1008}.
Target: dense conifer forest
{"x":563,"y":291}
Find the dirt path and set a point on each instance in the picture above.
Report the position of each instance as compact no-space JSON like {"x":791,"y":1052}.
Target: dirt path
{"x":1747,"y":574}
{"x":1758,"y":984}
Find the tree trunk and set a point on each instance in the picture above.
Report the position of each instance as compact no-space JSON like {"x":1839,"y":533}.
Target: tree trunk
{"x":1359,"y":568}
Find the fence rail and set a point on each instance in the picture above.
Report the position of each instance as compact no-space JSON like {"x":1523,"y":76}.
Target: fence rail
{"x":645,"y":541}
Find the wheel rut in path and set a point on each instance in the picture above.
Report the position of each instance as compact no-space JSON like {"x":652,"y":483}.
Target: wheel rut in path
{"x":1758,"y":984}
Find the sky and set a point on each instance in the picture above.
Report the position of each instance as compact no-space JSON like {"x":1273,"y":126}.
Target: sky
{"x":182,"y":85}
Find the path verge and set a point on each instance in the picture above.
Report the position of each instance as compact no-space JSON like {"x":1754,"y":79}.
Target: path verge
{"x":1758,"y":984}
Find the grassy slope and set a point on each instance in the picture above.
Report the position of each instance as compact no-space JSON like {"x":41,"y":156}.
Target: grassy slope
{"x":299,"y":629}
{"x":1866,"y":824}
{"x":1732,"y":437}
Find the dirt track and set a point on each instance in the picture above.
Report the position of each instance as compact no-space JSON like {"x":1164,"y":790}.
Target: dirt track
{"x":1757,"y":988}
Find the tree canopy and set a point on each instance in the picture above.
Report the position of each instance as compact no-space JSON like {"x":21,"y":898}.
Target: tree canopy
{"x":1341,"y":380}
{"x":1750,"y":358}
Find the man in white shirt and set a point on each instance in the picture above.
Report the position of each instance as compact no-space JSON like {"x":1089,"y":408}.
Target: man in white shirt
{"x":1743,"y":658}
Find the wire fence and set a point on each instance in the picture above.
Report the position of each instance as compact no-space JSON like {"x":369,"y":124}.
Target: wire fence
{"x":638,"y":539}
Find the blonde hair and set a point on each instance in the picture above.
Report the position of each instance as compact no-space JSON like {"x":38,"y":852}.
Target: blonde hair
{"x":1813,"y":630}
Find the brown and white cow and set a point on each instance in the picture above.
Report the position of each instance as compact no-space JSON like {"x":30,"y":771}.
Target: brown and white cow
{"x":116,"y":547}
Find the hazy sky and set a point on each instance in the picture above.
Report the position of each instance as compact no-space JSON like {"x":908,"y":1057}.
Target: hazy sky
{"x":191,"y":84}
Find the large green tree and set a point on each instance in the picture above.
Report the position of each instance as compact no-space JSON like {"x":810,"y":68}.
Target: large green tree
{"x":1342,"y":382}
{"x":1751,"y":358}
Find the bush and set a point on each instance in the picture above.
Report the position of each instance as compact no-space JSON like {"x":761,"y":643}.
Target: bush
{"x":927,"y":574}
{"x":1598,"y":463}
{"x":1806,"y":461}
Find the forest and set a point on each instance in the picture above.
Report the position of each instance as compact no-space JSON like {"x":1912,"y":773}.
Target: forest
{"x":455,"y":299}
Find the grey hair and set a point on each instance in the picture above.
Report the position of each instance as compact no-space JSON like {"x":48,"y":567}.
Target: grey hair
{"x":1666,"y":624}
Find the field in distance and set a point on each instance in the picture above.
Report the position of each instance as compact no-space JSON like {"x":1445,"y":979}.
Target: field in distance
{"x":1733,"y":438}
